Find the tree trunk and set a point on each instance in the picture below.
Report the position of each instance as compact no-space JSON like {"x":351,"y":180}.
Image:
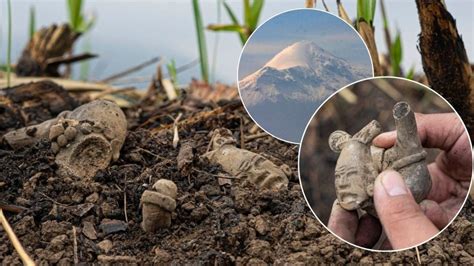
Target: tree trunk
{"x":444,"y":58}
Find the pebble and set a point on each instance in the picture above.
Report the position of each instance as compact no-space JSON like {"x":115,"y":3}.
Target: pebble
{"x":108,"y":226}
{"x":62,"y":141}
{"x":70,"y":133}
{"x":261,"y":226}
{"x":105,"y":245}
{"x":89,"y":231}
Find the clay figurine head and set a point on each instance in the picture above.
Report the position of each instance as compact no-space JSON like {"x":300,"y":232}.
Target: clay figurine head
{"x":355,"y":171}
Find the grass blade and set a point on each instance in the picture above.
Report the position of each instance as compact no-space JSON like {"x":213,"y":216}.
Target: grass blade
{"x":32,"y":23}
{"x":396,"y":54}
{"x":201,"y":41}
{"x":342,"y":12}
{"x":255,"y":12}
{"x":9,"y":47}
{"x":366,"y":10}
{"x":74,"y":8}
{"x":247,"y":12}
{"x":173,"y":74}
{"x":235,"y":21}
{"x":411,"y":73}
{"x":225,"y":27}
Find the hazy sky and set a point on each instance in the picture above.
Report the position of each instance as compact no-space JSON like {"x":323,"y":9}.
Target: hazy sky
{"x":130,"y":32}
{"x":326,"y":30}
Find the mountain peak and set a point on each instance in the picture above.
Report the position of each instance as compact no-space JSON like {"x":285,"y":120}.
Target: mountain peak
{"x":302,"y":53}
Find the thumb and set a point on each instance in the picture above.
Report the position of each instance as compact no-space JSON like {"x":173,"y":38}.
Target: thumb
{"x":403,"y":220}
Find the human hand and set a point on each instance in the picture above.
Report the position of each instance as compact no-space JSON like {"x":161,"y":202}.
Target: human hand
{"x":405,"y":222}
{"x":450,"y":173}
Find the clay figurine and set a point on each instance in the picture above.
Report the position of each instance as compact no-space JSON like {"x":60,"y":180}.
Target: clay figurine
{"x":359,"y":162}
{"x":84,"y":140}
{"x":245,"y":164}
{"x":158,"y":205}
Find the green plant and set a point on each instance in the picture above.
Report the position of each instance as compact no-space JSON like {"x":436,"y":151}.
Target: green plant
{"x":252,"y":13}
{"x":366,"y":10}
{"x":77,"y":20}
{"x":32,"y":24}
{"x":9,"y":47}
{"x":172,"y":72}
{"x":411,"y":73}
{"x":396,"y":55}
{"x":201,"y":38}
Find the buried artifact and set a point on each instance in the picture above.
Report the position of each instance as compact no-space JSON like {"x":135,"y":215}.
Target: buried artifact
{"x":242,"y":163}
{"x":359,"y":162}
{"x":84,"y":140}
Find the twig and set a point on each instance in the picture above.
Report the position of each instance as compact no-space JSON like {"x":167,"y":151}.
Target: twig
{"x":418,"y":255}
{"x":69,"y":59}
{"x":132,"y":69}
{"x":325,"y":6}
{"x":125,"y":204}
{"x":52,"y":200}
{"x":111,"y":91}
{"x":342,"y":12}
{"x":76,"y":260}
{"x":386,"y":30}
{"x":256,"y":136}
{"x":214,"y":175}
{"x":242,"y":137}
{"x":175,"y":130}
{"x":16,"y":243}
{"x":11,"y":208}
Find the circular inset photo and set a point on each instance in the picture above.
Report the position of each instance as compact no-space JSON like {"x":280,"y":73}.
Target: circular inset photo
{"x":385,"y":164}
{"x":292,"y":63}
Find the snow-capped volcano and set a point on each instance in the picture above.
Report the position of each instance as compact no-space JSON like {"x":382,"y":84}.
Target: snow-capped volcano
{"x":301,"y":71}
{"x":295,"y":82}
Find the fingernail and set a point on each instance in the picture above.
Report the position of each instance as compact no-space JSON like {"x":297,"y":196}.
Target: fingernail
{"x":393,"y":183}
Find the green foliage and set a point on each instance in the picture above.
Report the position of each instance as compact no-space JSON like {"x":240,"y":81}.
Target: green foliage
{"x":77,"y":20}
{"x":201,"y":41}
{"x":396,"y":54}
{"x":411,"y":73}
{"x":32,"y":27}
{"x":366,"y":10}
{"x":252,"y":13}
{"x":9,"y":48}
{"x":172,"y":72}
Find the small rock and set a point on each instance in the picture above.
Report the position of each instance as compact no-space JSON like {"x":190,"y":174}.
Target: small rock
{"x":327,"y":251}
{"x":108,"y":226}
{"x":82,"y":209}
{"x":105,"y":245}
{"x":57,"y":243}
{"x":260,"y":249}
{"x":261,"y":226}
{"x":211,"y":191}
{"x":367,"y":260}
{"x":161,"y":256}
{"x":89,"y":231}
{"x":93,"y":198}
{"x":199,"y":213}
{"x":188,"y":206}
{"x":56,"y":257}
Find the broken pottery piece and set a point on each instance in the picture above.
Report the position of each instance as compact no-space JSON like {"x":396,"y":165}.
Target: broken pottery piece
{"x":84,"y":140}
{"x":359,"y":163}
{"x":245,"y":164}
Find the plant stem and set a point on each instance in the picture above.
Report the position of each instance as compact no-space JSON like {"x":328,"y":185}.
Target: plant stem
{"x":16,"y":243}
{"x":9,"y":48}
{"x":201,"y":41}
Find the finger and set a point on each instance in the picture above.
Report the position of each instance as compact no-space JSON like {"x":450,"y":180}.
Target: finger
{"x":368,"y":231}
{"x":401,"y":217}
{"x":343,"y":223}
{"x":435,"y":130}
{"x":385,"y":140}
{"x":443,"y":186}
{"x":437,"y":215}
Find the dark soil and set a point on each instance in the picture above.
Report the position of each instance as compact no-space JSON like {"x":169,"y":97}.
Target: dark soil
{"x":214,"y":223}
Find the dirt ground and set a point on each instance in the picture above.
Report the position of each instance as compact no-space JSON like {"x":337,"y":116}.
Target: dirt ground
{"x":215,"y":223}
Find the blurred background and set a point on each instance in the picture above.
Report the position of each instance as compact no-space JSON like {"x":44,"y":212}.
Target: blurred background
{"x":350,"y":110}
{"x":129,"y":32}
